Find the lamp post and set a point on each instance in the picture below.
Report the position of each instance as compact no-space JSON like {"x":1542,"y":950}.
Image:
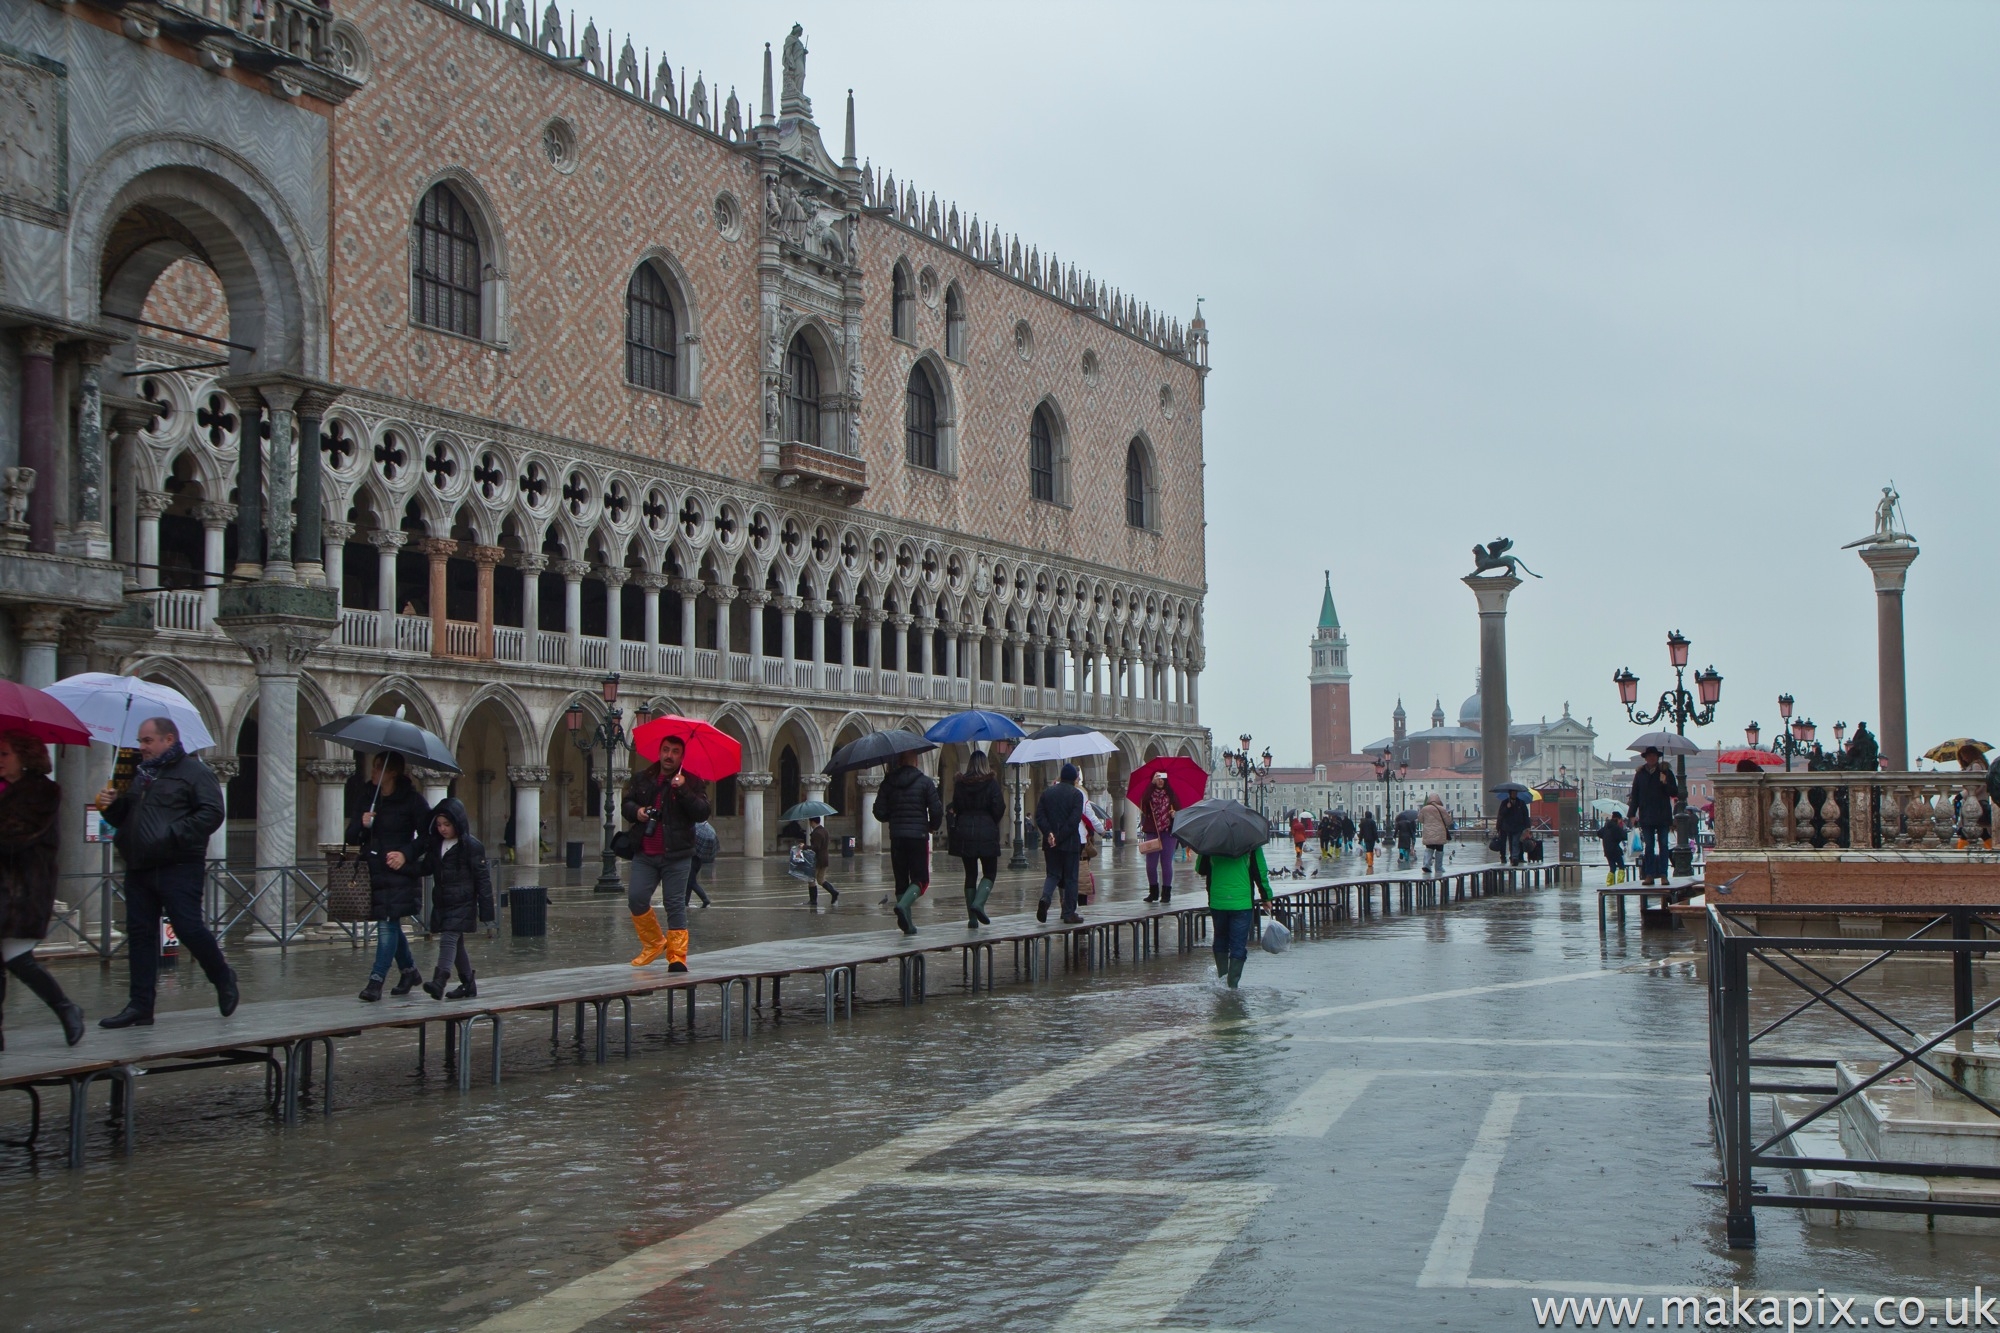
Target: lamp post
{"x":1683,"y":708}
{"x":607,"y":735}
{"x":1242,"y":763}
{"x":1386,"y":773}
{"x":1019,"y":861}
{"x":1797,"y":736}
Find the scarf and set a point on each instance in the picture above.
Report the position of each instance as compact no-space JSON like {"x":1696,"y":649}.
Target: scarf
{"x":150,"y":768}
{"x":1160,"y":805}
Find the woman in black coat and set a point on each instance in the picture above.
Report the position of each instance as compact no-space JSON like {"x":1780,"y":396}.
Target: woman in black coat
{"x":461,"y":895}
{"x":29,"y":804}
{"x":977,"y":807}
{"x":391,"y":832}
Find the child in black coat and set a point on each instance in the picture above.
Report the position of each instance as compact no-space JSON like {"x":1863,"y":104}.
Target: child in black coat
{"x":461,"y":896}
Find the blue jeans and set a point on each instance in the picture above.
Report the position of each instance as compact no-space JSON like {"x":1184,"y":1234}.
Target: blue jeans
{"x":1232,"y":932}
{"x":391,"y":945}
{"x":1653,"y":862}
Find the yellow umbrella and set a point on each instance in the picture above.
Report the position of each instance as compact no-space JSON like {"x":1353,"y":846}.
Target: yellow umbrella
{"x":1947,"y":751}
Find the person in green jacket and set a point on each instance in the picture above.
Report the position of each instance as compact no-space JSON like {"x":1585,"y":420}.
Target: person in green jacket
{"x":1231,"y":906}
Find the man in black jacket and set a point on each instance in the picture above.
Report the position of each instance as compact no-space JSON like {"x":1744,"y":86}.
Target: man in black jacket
{"x":1510,"y":821}
{"x":1059,"y":816}
{"x":909,"y":806}
{"x":163,"y":821}
{"x":664,"y":805}
{"x":1651,"y":807}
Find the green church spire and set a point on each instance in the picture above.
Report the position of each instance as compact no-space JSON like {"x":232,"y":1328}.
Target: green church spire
{"x":1328,"y":619}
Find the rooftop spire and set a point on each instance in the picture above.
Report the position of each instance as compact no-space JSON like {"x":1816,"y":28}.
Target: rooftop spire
{"x":1328,"y":619}
{"x":767,"y":107}
{"x":847,"y":158}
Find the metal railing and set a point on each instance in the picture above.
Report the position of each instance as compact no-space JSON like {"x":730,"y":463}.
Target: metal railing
{"x":238,"y":903}
{"x":1811,"y":985}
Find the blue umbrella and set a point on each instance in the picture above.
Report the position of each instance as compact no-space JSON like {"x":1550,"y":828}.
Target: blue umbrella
{"x":974,"y":724}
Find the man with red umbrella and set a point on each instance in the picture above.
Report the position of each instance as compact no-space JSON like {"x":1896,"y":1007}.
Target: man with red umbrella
{"x":664,"y":803}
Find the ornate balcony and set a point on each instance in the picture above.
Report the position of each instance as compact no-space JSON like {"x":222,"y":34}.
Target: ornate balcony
{"x":816,"y":469}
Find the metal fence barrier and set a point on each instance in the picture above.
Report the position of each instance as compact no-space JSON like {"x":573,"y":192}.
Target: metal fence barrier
{"x":240,"y":904}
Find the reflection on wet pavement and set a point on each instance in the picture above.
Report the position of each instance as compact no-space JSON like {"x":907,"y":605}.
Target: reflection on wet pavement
{"x":1412,"y":1121}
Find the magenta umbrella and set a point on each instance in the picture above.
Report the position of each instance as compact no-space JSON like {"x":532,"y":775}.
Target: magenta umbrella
{"x":1187,"y":779}
{"x":32,"y":712}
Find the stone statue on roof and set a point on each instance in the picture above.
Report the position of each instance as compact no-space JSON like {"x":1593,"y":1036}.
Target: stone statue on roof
{"x":795,"y":66}
{"x":1889,"y":529}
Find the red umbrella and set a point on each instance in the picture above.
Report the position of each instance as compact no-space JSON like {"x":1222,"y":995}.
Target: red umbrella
{"x":1762,"y":758}
{"x":711,"y":754}
{"x":1187,"y":779}
{"x":29,"y":711}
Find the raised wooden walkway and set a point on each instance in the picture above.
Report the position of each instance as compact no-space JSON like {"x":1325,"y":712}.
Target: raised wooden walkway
{"x":281,"y":1036}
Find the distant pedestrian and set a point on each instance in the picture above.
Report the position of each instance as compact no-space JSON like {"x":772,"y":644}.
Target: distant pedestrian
{"x":29,"y":838}
{"x":977,"y":807}
{"x":1058,"y":815}
{"x":1369,"y":835}
{"x":461,"y":896}
{"x":1406,"y":838}
{"x":820,"y":843}
{"x":1613,"y":835}
{"x":706,"y":847}
{"x":1233,"y":882}
{"x":1157,"y":805}
{"x":391,"y":834}
{"x":1326,"y":835}
{"x":164,"y":819}
{"x":1651,"y":807}
{"x":908,"y":806}
{"x":1863,"y":754}
{"x":664,"y":806}
{"x":1299,"y":834}
{"x":1510,"y":822}
{"x":1435,"y":823}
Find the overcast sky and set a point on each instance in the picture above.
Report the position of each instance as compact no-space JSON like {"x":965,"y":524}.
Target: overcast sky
{"x":1664,"y":292}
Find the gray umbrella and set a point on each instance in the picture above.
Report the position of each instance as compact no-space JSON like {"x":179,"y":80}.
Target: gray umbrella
{"x":1218,"y":826}
{"x":877,"y":747}
{"x":1666,"y":742}
{"x":370,"y":731}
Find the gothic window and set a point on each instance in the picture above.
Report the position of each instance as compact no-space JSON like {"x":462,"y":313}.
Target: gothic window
{"x":1042,"y":456}
{"x":920,"y":420}
{"x":651,"y":332}
{"x":902,"y":305}
{"x":802,"y":400}
{"x":446,"y":267}
{"x":1139,"y":503}
{"x":954,"y":324}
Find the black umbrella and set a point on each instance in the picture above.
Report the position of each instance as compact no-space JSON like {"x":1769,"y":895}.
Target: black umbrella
{"x":1511,"y":789}
{"x":1060,"y":729}
{"x":1221,"y":827}
{"x":877,"y":747}
{"x":370,"y":731}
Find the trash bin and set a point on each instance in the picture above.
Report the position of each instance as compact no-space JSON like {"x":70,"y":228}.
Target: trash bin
{"x":847,"y":846}
{"x":528,"y":906}
{"x":573,"y":855}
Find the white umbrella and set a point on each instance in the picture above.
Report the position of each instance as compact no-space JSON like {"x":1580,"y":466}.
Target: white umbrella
{"x":1044,"y":749}
{"x":112,"y":707}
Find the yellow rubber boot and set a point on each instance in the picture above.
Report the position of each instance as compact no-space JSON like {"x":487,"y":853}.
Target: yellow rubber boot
{"x":677,"y":950}
{"x":652,"y":942}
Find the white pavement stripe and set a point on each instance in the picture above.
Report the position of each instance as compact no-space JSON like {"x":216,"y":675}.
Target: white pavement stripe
{"x":1021,"y":1183}
{"x":1463,"y":992}
{"x":1314,"y":1112}
{"x":1450,"y":1261}
{"x":597,"y":1294}
{"x":1143,"y":1288}
{"x":1559,"y":1042}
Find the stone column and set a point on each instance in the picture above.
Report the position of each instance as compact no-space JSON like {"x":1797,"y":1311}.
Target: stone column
{"x":1492,"y":592}
{"x":723,"y":594}
{"x":573,"y":572}
{"x":926,"y":647}
{"x":951,"y":655}
{"x":874,"y":617}
{"x":215,"y":519}
{"x":226,"y":767}
{"x":129,"y":419}
{"x":435,"y":784}
{"x":690,"y":595}
{"x":486,"y":558}
{"x":755,"y":600}
{"x":387,"y":543}
{"x":528,"y":780}
{"x":329,"y":779}
{"x":40,"y":630}
{"x":151,"y":505}
{"x":847,"y":613}
{"x":1195,"y":664}
{"x":818,"y":609}
{"x":901,"y":622}
{"x":652,"y":582}
{"x":812,"y":786}
{"x":750,"y":789}
{"x":867,"y":782}
{"x":307,"y":539}
{"x":440,"y":550}
{"x":788,"y":626}
{"x":281,"y":483}
{"x":615,"y":578}
{"x":334,"y":536}
{"x":38,"y":443}
{"x":250,"y":496}
{"x":531,"y":565}
{"x":1016,"y":655}
{"x":1890,"y":563}
{"x":87,"y":535}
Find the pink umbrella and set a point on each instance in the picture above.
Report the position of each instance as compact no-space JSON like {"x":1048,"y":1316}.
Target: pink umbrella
{"x":1187,"y":779}
{"x":32,"y":712}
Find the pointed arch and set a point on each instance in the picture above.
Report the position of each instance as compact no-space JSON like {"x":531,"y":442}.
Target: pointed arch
{"x":172,"y":671}
{"x":815,"y":756}
{"x":1048,"y":453}
{"x":755,"y":758}
{"x":423,"y":708}
{"x":520,"y":723}
{"x":662,"y":326}
{"x":458,"y":259}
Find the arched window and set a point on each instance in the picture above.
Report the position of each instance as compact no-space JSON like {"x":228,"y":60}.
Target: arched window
{"x":954,"y":324}
{"x":920,"y":419}
{"x":651,"y":336}
{"x":1042,"y":456}
{"x":447,"y":268}
{"x":802,"y":400}
{"x":1138,"y":486}
{"x":902,"y":309}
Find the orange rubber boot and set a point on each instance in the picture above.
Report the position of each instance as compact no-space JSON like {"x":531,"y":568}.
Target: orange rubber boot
{"x":652,"y":942}
{"x":676,"y":944}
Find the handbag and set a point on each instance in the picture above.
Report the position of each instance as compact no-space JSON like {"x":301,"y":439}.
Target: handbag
{"x":349,"y":894}
{"x":1148,"y":846}
{"x":1497,"y":843}
{"x":622,"y":846}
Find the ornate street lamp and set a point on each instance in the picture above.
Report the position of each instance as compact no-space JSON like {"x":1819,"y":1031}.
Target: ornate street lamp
{"x":1241,"y":763}
{"x":1019,"y":861}
{"x":1794,"y":738}
{"x":1386,"y":773}
{"x":1683,"y":708}
{"x":607,"y":735}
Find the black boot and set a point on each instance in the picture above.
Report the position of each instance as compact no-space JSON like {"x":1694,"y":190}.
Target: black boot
{"x":131,"y":1016}
{"x":832,"y":896}
{"x":373,"y":990}
{"x":435,"y":986}
{"x":411,"y":979}
{"x":37,"y":979}
{"x":1167,"y":895}
{"x":1152,"y":893}
{"x":467,"y":989}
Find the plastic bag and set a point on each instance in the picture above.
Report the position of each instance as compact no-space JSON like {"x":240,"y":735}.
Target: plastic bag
{"x":1276,"y":937}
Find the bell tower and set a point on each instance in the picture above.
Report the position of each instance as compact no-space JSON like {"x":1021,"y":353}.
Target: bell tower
{"x":1332,"y":729}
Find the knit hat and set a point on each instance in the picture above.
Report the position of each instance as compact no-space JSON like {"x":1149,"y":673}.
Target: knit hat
{"x":1069,"y":773}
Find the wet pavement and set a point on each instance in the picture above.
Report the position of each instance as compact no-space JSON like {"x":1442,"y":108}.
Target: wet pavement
{"x":1418,"y":1121}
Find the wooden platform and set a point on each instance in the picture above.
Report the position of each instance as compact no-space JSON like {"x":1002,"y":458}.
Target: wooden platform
{"x":281,"y":1035}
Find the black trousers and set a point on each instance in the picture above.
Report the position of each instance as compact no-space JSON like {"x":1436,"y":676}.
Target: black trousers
{"x":974,"y":866}
{"x":173,"y":892}
{"x":1062,"y":864}
{"x":909,"y":859}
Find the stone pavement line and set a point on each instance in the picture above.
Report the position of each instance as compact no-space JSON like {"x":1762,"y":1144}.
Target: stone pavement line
{"x":586,"y":1299}
{"x":1450,"y":1261}
{"x":1311,"y":1114}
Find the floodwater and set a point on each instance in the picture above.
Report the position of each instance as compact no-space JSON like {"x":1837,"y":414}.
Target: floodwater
{"x":1420,"y":1121}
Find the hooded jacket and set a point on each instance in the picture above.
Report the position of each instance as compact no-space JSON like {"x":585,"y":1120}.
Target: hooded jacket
{"x":402,"y":822}
{"x":908,"y":804}
{"x":1613,"y":836}
{"x":462,"y":887}
{"x":1368,"y":833}
{"x":1059,"y":812}
{"x":1436,"y":822}
{"x":977,"y":806}
{"x":28,"y":842}
{"x":168,"y":821}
